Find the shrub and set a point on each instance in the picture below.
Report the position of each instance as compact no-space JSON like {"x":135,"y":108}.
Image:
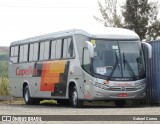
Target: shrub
{"x":4,"y":86}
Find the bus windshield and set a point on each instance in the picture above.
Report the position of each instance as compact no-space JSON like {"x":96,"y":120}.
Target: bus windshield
{"x":118,"y":59}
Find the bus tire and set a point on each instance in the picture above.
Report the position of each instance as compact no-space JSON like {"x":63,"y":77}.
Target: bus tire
{"x":75,"y":102}
{"x":120,"y":103}
{"x":26,"y":95}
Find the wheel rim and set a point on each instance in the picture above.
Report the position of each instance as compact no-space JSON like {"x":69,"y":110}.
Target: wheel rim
{"x":26,"y":96}
{"x":74,"y":98}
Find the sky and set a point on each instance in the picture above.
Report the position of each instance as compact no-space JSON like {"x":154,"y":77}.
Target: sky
{"x":20,"y":19}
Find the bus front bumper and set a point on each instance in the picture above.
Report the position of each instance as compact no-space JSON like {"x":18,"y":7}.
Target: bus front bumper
{"x":102,"y":94}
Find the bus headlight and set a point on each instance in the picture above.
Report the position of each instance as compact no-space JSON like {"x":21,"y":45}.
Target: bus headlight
{"x":140,"y":84}
{"x":100,"y":85}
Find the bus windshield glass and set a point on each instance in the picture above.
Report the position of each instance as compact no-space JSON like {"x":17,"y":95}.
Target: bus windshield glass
{"x":118,"y":59}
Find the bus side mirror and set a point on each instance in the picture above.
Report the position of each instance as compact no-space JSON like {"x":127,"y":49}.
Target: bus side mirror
{"x":90,"y":48}
{"x":149,"y":48}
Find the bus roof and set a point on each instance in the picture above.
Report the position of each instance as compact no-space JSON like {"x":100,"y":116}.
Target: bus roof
{"x":105,"y":33}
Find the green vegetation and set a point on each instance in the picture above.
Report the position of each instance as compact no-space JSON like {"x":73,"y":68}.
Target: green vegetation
{"x":4,"y":57}
{"x":12,"y":101}
{"x":4,"y":86}
{"x":48,"y":102}
{"x":140,"y":16}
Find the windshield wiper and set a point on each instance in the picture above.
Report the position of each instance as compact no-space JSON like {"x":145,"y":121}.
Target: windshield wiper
{"x":124,"y":60}
{"x":126,"y":63}
{"x":114,"y":67}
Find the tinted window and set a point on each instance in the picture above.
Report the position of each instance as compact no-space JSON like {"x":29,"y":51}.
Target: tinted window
{"x":35,"y":47}
{"x":65,"y":45}
{"x":41,"y":51}
{"x":16,"y":51}
{"x":25,"y":53}
{"x":53,"y":49}
{"x":33,"y":55}
{"x":58,"y":49}
{"x":12,"y":51}
{"x":21,"y":54}
{"x":68,"y":51}
{"x":31,"y":52}
{"x":70,"y":48}
{"x":14,"y":54}
{"x":46,"y":50}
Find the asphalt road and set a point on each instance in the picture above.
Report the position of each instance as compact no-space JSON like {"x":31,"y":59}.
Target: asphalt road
{"x":21,"y":109}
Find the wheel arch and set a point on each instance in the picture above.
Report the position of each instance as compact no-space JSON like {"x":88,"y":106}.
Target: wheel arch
{"x":25,"y":83}
{"x":71,"y":84}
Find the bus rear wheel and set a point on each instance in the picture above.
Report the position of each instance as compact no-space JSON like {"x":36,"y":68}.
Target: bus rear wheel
{"x":120,"y":103}
{"x":75,"y":102}
{"x":27,"y":99}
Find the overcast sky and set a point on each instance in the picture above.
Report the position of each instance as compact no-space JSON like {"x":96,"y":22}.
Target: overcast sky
{"x":20,"y":19}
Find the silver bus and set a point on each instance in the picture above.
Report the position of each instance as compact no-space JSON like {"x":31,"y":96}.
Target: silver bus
{"x":76,"y":65}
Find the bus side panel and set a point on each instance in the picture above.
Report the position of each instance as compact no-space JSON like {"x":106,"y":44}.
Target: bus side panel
{"x":18,"y":74}
{"x":45,"y":79}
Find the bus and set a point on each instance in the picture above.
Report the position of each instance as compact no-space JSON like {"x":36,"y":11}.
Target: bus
{"x":73,"y":66}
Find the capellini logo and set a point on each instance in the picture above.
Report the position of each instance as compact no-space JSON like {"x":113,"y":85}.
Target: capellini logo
{"x":28,"y":71}
{"x":122,"y":84}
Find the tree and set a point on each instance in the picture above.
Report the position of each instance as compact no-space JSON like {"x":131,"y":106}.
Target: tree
{"x":154,"y":31}
{"x":109,"y":14}
{"x":140,"y":16}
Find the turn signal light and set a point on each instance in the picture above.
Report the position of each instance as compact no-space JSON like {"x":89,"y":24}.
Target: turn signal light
{"x":106,"y":82}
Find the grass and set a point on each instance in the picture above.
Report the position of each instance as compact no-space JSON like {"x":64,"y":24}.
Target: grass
{"x":48,"y":102}
{"x":21,"y":101}
{"x":12,"y":101}
{"x":4,"y":86}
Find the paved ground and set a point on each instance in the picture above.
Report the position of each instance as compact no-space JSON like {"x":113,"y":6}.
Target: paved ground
{"x":21,"y":109}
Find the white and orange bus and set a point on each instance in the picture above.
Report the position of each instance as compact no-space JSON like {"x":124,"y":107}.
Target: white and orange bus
{"x":73,"y":66}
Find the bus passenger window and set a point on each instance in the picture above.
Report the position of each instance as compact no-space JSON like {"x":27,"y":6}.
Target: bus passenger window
{"x":12,"y":51}
{"x":36,"y":47}
{"x":14,"y":54}
{"x":58,"y":49}
{"x":41,"y":51}
{"x":65,"y":42}
{"x":25,"y":53}
{"x":46,"y":50}
{"x":33,"y":52}
{"x":53,"y":49}
{"x":21,"y":54}
{"x":70,"y":51}
{"x":68,"y":48}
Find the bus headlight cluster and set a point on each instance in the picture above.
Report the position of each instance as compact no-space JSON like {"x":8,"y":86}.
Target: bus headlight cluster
{"x":140,"y":84}
{"x":100,"y":85}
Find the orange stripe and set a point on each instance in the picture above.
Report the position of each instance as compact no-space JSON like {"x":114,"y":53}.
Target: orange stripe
{"x":51,"y":74}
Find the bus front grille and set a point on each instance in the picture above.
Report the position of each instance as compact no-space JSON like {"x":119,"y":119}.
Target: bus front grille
{"x":122,"y":89}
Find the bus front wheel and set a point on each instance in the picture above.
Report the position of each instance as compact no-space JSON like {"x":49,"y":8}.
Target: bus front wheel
{"x":75,"y":102}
